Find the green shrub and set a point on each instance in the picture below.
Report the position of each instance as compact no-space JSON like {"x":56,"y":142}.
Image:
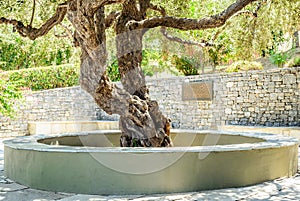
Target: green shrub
{"x":279,"y":58}
{"x":17,"y":52}
{"x":244,"y":66}
{"x":295,"y":62}
{"x":113,"y":71}
{"x":9,"y":94}
{"x":186,"y":65}
{"x":44,"y":77}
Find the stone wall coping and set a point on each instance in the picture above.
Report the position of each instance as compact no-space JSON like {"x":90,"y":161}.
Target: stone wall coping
{"x":286,"y":131}
{"x":71,"y":122}
{"x":201,"y":77}
{"x":56,"y":89}
{"x":261,"y":127}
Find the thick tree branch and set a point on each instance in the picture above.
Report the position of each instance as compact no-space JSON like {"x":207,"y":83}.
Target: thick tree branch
{"x":33,"y":33}
{"x":111,"y":18}
{"x":203,"y":43}
{"x":243,"y":12}
{"x":143,"y":7}
{"x":91,"y":6}
{"x":163,"y":30}
{"x":214,"y":21}
{"x":160,"y":9}
{"x":66,"y":34}
{"x":185,"y":42}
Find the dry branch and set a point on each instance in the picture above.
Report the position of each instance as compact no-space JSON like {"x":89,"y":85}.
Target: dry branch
{"x":111,"y":18}
{"x":93,"y":5}
{"x":33,"y":33}
{"x":185,"y":42}
{"x":214,"y":21}
{"x":163,"y":30}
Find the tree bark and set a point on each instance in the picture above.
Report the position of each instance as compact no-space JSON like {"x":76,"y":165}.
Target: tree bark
{"x":141,"y":122}
{"x":185,"y":24}
{"x":151,"y":128}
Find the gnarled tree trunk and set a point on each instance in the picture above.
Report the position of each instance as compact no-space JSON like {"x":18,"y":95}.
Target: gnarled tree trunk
{"x":148,"y":127}
{"x":141,"y":121}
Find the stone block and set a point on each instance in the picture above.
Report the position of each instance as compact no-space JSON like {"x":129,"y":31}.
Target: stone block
{"x":228,"y":111}
{"x":72,"y":127}
{"x":289,"y":79}
{"x":58,"y":128}
{"x":229,"y":84}
{"x":276,"y":78}
{"x":247,"y":114}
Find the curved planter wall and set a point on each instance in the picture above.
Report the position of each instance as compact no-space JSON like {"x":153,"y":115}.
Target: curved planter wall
{"x":73,"y":163}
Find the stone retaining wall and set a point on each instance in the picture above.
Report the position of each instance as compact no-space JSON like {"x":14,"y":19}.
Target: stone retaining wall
{"x":50,"y":105}
{"x":264,"y":98}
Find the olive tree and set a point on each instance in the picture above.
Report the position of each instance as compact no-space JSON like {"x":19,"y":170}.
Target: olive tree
{"x":141,"y":121}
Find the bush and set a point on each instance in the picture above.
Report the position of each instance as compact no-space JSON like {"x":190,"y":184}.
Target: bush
{"x":113,"y":71}
{"x":279,"y":58}
{"x":44,"y":78}
{"x":186,"y":65}
{"x":295,"y":62}
{"x":244,"y":66}
{"x":17,"y":52}
{"x":9,"y":93}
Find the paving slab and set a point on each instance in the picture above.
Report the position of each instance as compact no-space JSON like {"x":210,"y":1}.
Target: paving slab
{"x":81,"y":197}
{"x":10,"y":187}
{"x":30,"y":195}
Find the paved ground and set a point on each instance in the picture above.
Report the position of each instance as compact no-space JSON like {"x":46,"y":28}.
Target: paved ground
{"x":282,"y":189}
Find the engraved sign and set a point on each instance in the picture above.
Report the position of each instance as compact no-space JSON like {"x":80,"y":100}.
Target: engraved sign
{"x":197,"y":91}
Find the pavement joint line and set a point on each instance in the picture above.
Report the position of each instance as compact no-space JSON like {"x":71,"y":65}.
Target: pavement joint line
{"x":142,"y":196}
{"x":21,"y":189}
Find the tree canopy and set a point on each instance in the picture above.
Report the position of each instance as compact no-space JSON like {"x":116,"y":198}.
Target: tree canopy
{"x":243,"y":37}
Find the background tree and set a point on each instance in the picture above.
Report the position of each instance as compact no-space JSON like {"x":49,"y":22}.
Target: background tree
{"x":247,"y":36}
{"x":17,"y":52}
{"x":141,"y":122}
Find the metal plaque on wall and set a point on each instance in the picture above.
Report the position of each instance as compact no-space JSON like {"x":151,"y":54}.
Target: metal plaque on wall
{"x":197,"y":90}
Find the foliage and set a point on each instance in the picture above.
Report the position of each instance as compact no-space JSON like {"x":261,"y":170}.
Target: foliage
{"x":244,"y":66}
{"x":275,"y":23}
{"x":44,"y":78}
{"x":9,"y":94}
{"x":294,"y":62}
{"x":154,"y":61}
{"x":17,"y":52}
{"x":246,"y":35}
{"x":221,"y":51}
{"x":113,"y":71}
{"x":279,"y":58}
{"x":278,"y":39}
{"x":186,"y":65}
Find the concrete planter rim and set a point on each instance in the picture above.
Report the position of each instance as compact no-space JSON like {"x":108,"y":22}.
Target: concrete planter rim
{"x":269,"y":141}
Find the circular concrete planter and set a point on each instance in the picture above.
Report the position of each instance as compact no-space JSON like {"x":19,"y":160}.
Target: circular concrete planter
{"x":89,"y":162}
